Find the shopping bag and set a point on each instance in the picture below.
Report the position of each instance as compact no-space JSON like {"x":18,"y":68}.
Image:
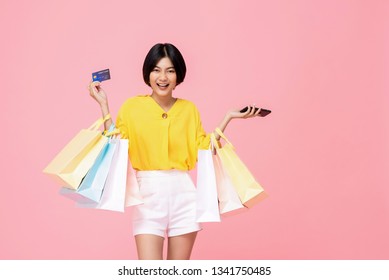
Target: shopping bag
{"x":207,"y":203}
{"x":228,"y":197}
{"x":71,"y":164}
{"x":114,"y":192}
{"x":249,"y":190}
{"x":93,"y":184}
{"x":133,"y":196}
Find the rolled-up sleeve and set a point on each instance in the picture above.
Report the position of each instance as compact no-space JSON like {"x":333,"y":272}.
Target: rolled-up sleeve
{"x":203,"y":139}
{"x":121,"y":123}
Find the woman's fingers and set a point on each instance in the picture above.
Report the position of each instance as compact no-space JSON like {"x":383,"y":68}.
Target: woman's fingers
{"x":97,"y":92}
{"x":252,"y":111}
{"x":247,"y":112}
{"x":94,"y":88}
{"x":257,"y":112}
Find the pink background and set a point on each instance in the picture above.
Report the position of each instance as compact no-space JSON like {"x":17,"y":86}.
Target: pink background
{"x":322,"y":155}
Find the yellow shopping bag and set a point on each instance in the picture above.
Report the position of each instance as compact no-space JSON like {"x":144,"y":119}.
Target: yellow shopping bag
{"x":71,"y":164}
{"x":249,"y":190}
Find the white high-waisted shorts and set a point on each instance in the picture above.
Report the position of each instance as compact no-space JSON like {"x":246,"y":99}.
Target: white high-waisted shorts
{"x":169,"y":204}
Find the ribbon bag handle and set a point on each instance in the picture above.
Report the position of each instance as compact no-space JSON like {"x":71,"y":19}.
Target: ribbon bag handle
{"x":95,"y":126}
{"x":218,"y":130}
{"x":214,"y":144}
{"x":113,"y":132}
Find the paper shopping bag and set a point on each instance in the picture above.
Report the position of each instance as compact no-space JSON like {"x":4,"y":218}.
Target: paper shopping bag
{"x":133,"y":196}
{"x":207,"y":203}
{"x":249,"y":190}
{"x":228,"y":197}
{"x":71,"y":164}
{"x":93,"y":184}
{"x":114,"y":192}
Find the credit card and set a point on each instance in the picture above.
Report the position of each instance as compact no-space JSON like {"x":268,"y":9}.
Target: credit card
{"x":101,"y":75}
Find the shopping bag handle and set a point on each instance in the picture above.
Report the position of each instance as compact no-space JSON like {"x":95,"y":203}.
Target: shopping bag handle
{"x":95,"y":126}
{"x":214,"y":144}
{"x":113,"y":132}
{"x":218,"y":130}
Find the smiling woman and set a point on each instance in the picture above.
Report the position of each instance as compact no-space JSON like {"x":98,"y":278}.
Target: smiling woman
{"x":160,"y":51}
{"x":165,"y":134}
{"x":163,"y":80}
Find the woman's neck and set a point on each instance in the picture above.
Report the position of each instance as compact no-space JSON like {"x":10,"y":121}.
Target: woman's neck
{"x":166,"y":102}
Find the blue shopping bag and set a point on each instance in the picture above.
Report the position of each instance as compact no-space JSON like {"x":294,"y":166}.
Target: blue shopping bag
{"x":92,"y":185}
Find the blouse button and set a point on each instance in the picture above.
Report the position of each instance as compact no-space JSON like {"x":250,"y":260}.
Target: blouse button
{"x":164,"y":115}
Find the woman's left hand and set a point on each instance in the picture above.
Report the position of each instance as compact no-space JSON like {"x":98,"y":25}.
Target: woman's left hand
{"x":250,"y":113}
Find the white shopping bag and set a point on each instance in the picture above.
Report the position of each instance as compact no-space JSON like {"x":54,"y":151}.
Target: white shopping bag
{"x":207,"y":203}
{"x":133,"y":196}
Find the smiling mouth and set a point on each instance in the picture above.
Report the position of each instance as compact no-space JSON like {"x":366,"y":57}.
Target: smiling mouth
{"x":163,"y":86}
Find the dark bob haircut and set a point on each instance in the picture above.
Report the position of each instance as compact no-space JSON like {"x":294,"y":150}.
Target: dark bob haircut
{"x":159,"y":51}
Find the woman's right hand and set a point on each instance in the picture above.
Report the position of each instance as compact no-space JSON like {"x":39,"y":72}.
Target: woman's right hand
{"x":97,"y":93}
{"x":100,"y":96}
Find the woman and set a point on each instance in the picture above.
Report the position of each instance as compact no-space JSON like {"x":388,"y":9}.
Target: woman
{"x":164,"y":135}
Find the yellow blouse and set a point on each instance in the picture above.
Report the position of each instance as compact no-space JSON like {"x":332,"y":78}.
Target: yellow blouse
{"x":160,"y":140}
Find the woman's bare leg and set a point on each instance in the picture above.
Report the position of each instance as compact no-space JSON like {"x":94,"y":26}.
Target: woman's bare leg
{"x":180,"y":246}
{"x":149,"y":246}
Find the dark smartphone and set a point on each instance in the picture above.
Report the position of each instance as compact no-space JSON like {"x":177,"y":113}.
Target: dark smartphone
{"x":262,"y":113}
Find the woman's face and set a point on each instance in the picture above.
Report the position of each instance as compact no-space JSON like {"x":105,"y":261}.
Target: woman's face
{"x":163,"y":77}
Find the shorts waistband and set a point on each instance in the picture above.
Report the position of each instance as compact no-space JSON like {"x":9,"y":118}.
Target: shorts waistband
{"x":159,"y":173}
